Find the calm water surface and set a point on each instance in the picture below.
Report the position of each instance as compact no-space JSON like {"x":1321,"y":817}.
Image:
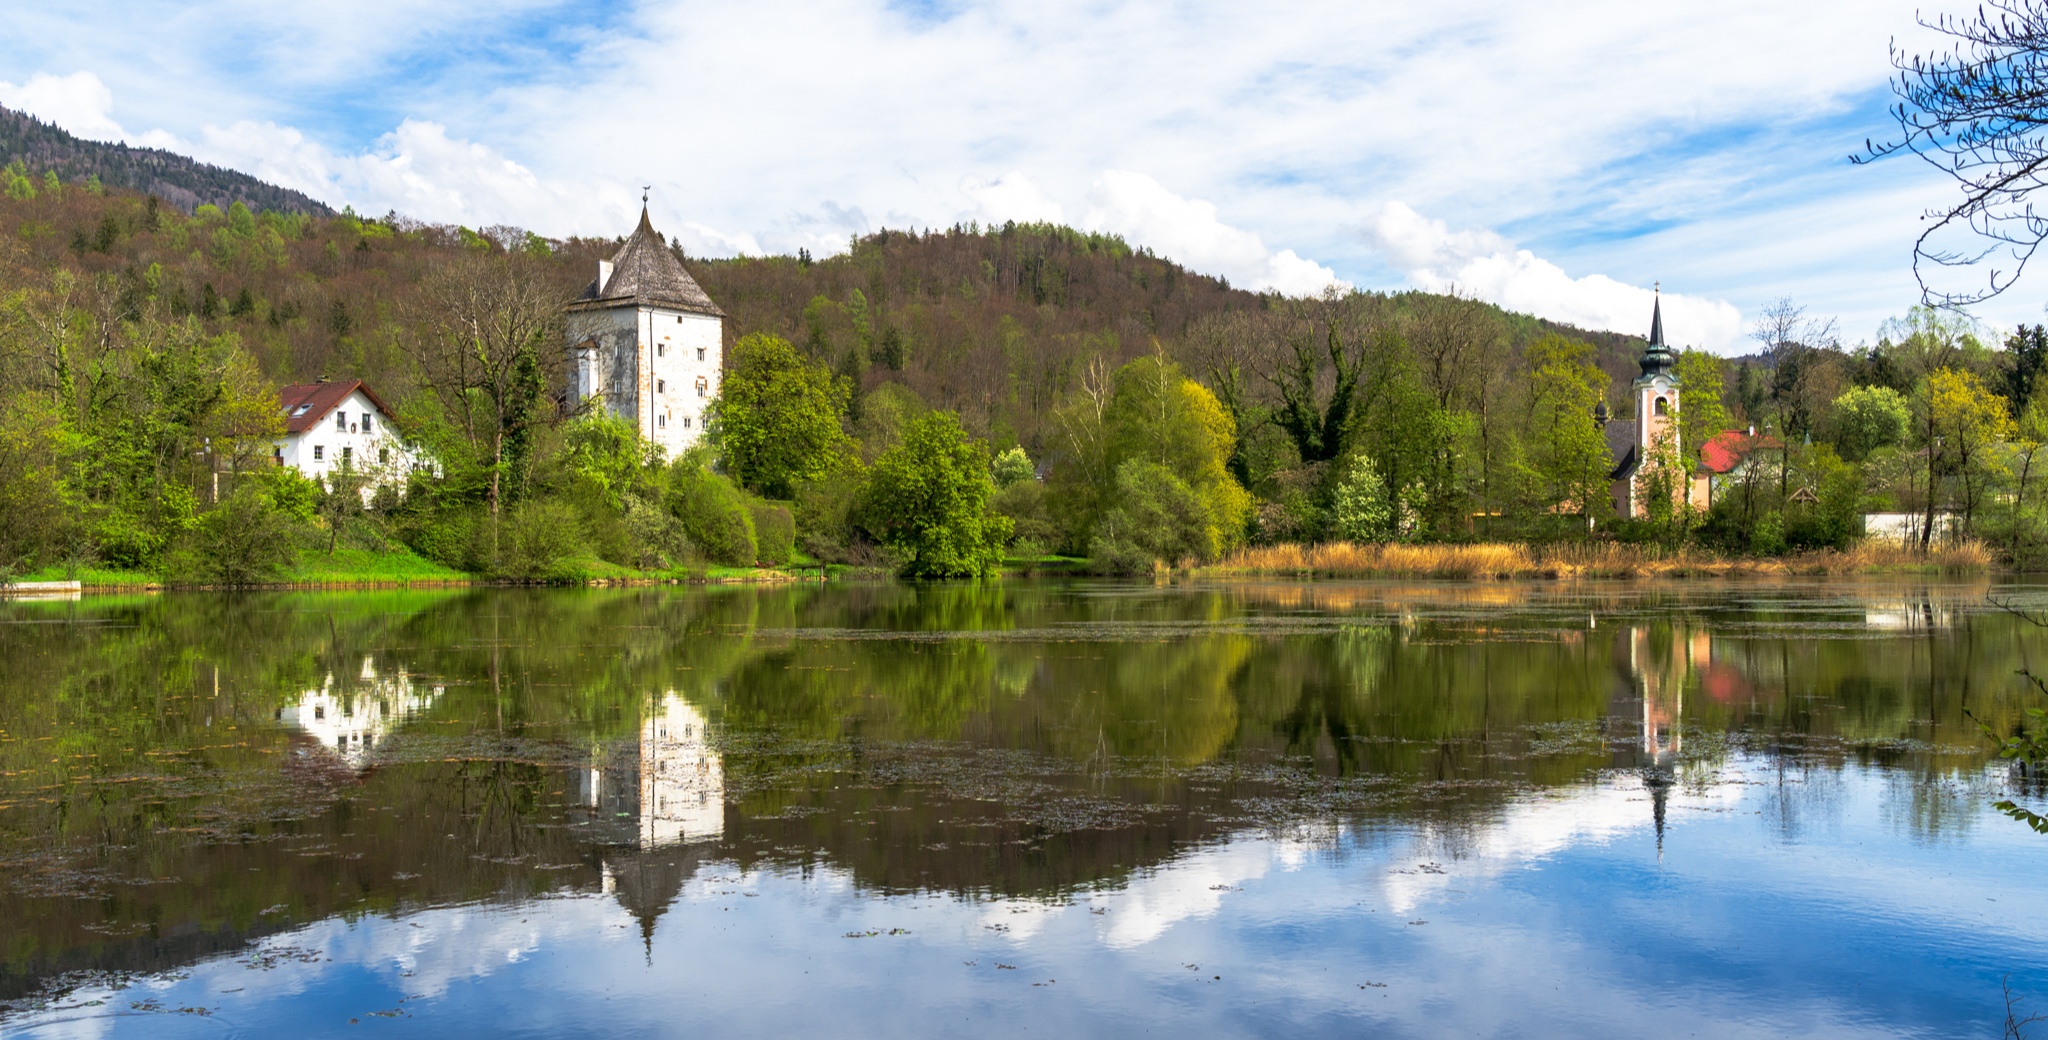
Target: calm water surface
{"x":1033,"y":808}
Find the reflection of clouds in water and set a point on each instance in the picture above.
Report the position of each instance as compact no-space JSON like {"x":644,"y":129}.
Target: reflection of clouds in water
{"x":1188,"y":888}
{"x":350,"y":722}
{"x":1530,"y":829}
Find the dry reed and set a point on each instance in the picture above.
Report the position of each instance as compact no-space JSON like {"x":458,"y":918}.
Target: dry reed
{"x":1582,"y":560}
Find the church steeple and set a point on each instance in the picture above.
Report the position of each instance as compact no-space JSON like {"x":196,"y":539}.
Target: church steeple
{"x":1658,"y":357}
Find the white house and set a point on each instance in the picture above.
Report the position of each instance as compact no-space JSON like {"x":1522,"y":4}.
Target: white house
{"x":329,"y":425}
{"x":351,"y":721}
{"x":645,"y":342}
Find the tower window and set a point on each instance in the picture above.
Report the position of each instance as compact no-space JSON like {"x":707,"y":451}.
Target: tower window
{"x":661,"y":421}
{"x":702,"y":386}
{"x":700,"y":353}
{"x":1663,"y":407}
{"x":661,"y":350}
{"x":686,"y":422}
{"x":661,"y":386}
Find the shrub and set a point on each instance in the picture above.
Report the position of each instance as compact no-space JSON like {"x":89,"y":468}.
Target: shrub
{"x":243,"y":540}
{"x":713,"y":514}
{"x":538,"y":540}
{"x":1024,"y":503}
{"x":774,"y":532}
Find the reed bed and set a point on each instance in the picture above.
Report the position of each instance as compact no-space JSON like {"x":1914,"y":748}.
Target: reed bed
{"x":1511,"y":560}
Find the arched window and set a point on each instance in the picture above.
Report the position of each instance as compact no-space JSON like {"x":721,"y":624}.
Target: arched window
{"x":1663,"y":406}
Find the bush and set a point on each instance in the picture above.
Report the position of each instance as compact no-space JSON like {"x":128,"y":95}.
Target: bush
{"x":824,"y":515}
{"x":774,"y":533}
{"x":244,"y":540}
{"x":1360,"y":510}
{"x":713,"y":514}
{"x":537,"y":541}
{"x":446,"y":536}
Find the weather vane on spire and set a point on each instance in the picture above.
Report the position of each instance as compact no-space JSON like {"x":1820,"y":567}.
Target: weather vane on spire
{"x":644,"y":189}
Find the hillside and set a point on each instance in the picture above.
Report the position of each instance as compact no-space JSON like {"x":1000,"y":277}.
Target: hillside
{"x":183,"y":182}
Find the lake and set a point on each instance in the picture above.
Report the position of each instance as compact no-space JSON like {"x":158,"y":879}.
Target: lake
{"x":1026,"y":808}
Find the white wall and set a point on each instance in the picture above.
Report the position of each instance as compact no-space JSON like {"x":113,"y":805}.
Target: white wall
{"x":673,"y":342}
{"x":643,"y":364}
{"x":377,"y":453}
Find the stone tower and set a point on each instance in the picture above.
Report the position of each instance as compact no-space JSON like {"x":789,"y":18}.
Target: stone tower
{"x":645,"y":342}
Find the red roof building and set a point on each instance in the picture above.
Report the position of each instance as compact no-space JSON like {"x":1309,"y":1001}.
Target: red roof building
{"x":335,"y":425}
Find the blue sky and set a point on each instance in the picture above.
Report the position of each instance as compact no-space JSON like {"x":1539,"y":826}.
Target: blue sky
{"x":1554,"y":157}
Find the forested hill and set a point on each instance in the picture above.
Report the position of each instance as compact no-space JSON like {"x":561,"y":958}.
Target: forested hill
{"x":183,"y":182}
{"x":995,"y":323}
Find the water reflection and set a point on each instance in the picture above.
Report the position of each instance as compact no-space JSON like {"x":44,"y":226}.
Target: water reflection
{"x":185,"y":776}
{"x":667,"y":788}
{"x":348,"y":723}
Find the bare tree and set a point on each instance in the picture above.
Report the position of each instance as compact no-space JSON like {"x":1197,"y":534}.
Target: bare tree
{"x":1978,"y":112}
{"x":485,"y":334}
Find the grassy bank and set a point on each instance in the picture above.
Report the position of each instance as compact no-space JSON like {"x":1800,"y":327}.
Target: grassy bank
{"x":1605,"y":560}
{"x":400,"y":568}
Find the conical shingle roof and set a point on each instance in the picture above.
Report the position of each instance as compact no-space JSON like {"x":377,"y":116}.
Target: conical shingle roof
{"x":646,"y":274}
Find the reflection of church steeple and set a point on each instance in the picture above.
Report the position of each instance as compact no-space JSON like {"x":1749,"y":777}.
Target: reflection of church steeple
{"x":1656,"y":665}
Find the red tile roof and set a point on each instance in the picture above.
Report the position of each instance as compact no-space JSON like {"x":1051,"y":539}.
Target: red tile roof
{"x":1726,"y":450}
{"x":320,"y":399}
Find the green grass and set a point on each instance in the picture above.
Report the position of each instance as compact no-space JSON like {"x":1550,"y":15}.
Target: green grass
{"x":367,"y":566}
{"x":91,"y":577}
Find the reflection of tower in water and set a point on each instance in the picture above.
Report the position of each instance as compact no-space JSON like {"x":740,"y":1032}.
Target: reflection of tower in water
{"x":667,"y":789}
{"x":657,"y":805}
{"x":1658,"y":662}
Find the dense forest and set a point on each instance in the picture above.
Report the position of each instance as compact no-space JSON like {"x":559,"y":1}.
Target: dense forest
{"x":932,"y":401}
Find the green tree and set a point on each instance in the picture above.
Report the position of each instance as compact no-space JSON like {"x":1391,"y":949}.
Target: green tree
{"x":1012,"y":466}
{"x":777,"y":417}
{"x":1361,"y":510}
{"x":927,"y":498}
{"x":1967,"y":419}
{"x":1160,"y":416}
{"x":1157,"y":517}
{"x":1867,"y":418}
{"x":1569,"y":453}
{"x":1703,"y":408}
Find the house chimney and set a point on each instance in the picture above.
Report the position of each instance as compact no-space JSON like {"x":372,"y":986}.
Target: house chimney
{"x":604,"y":274}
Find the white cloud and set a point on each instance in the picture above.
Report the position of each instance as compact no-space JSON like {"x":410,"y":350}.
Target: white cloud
{"x":1488,"y":266}
{"x":1012,"y":196}
{"x":1603,"y":132}
{"x":1188,"y":230}
{"x":79,"y":103}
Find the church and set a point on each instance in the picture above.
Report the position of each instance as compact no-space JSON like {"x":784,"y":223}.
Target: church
{"x":1653,"y":429}
{"x":645,"y":342}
